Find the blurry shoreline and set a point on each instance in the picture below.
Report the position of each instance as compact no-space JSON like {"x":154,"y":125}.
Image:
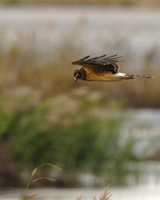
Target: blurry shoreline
{"x":121,"y":193}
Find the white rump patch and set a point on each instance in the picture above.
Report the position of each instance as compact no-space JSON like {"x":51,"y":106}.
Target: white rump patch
{"x":120,"y":74}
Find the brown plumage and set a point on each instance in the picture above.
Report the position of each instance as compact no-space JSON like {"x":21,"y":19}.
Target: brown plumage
{"x":102,"y":69}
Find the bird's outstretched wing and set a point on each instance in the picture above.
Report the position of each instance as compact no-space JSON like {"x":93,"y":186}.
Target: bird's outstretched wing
{"x":101,"y":63}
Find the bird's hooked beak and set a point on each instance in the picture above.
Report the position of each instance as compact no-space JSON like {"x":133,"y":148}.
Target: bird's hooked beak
{"x":75,"y":78}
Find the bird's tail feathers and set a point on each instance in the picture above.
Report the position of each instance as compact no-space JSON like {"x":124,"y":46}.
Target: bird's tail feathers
{"x":139,"y":76}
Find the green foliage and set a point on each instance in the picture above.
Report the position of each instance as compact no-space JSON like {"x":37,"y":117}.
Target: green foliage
{"x":78,"y":141}
{"x":90,"y":144}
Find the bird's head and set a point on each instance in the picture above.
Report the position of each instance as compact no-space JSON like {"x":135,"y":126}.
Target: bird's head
{"x":77,"y":74}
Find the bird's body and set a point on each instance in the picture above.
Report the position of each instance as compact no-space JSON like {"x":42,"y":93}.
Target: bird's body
{"x":101,"y":69}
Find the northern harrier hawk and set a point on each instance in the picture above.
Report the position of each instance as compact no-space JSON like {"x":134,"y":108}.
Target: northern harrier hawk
{"x":102,"y":69}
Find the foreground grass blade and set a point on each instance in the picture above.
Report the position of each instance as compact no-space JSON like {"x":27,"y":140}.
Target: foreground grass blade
{"x":33,"y":173}
{"x":40,"y":179}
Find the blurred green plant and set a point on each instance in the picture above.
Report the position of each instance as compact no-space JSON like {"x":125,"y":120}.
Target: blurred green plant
{"x":85,"y":143}
{"x":89,"y":144}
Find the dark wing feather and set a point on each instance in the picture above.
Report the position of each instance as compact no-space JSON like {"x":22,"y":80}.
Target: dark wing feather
{"x":101,"y":63}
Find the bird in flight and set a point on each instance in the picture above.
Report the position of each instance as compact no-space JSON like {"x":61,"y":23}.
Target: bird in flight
{"x":102,"y":69}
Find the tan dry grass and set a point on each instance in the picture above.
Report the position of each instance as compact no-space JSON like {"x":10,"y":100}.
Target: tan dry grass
{"x":25,"y":67}
{"x":105,"y":195}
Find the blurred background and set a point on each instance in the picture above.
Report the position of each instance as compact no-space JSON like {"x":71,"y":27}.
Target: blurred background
{"x":98,"y":133}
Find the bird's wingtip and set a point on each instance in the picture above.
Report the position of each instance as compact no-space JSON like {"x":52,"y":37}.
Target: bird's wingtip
{"x":78,"y":61}
{"x":74,"y":62}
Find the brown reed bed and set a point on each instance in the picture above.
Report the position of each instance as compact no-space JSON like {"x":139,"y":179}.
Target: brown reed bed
{"x":51,"y":73}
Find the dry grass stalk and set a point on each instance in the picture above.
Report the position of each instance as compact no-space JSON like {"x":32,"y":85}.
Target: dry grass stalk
{"x":79,"y":198}
{"x":105,"y":195}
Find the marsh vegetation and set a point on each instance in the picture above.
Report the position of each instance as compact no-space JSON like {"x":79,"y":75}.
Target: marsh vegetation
{"x":47,"y":117}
